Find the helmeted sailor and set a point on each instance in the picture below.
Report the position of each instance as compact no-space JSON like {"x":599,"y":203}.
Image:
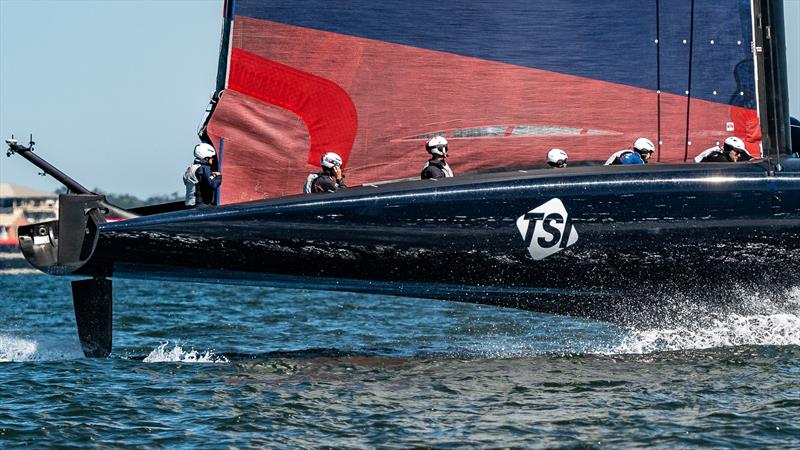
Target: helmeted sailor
{"x":200,"y":178}
{"x":557,"y":158}
{"x":732,"y":150}
{"x":330,"y":179}
{"x":639,"y":153}
{"x":436,"y":167}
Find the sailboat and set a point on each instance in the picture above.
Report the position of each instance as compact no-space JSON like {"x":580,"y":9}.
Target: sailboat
{"x":503,"y":83}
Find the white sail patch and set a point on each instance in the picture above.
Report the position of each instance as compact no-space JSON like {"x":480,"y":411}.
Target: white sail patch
{"x":547,"y":229}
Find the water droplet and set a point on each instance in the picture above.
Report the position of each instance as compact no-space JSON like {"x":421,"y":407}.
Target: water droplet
{"x":715,"y":92}
{"x":684,"y":41}
{"x":712,"y":42}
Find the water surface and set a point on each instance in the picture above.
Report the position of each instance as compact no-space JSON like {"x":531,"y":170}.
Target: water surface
{"x":203,"y":365}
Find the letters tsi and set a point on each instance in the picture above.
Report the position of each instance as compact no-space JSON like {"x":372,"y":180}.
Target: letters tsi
{"x":547,"y":229}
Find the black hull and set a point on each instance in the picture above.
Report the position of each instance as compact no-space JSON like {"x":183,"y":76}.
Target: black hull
{"x":640,"y":234}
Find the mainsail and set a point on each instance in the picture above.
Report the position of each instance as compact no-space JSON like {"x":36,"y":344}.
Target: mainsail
{"x":503,"y":81}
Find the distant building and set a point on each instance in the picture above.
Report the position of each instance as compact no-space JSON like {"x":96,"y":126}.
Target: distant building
{"x":20,"y":206}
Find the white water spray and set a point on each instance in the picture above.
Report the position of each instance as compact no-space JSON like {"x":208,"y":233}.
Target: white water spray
{"x":21,"y":349}
{"x":178,"y":354}
{"x":735,"y":330}
{"x":760,"y":322}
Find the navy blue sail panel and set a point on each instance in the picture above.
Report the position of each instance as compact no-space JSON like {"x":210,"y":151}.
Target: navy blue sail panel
{"x":505,"y":82}
{"x":608,"y":40}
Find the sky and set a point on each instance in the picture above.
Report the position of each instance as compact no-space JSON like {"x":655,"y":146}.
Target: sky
{"x":113,"y":91}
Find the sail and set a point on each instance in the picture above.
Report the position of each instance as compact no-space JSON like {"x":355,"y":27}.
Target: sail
{"x":504,"y":82}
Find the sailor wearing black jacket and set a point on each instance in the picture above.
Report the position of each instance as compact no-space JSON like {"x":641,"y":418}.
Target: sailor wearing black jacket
{"x":732,"y":150}
{"x":436,"y":167}
{"x":200,"y":179}
{"x":330,"y":179}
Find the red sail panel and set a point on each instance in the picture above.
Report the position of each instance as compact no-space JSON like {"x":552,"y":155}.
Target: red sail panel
{"x":265,"y":148}
{"x":295,"y":92}
{"x":324,"y":107}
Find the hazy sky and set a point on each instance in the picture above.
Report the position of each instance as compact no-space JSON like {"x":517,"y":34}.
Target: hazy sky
{"x":113,"y":91}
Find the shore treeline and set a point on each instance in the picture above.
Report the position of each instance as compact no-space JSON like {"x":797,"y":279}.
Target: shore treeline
{"x":131,"y":201}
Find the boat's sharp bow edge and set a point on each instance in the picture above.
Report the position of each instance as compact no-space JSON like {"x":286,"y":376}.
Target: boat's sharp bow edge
{"x":63,"y":247}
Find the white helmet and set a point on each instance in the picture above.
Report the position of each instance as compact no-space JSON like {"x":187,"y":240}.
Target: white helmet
{"x":331,"y":160}
{"x":644,"y":145}
{"x":735,"y":144}
{"x":203,"y":151}
{"x":437,"y":145}
{"x":557,"y":158}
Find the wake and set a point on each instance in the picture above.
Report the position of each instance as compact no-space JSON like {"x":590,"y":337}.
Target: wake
{"x":163,"y":354}
{"x":24,"y":349}
{"x":751,"y":320}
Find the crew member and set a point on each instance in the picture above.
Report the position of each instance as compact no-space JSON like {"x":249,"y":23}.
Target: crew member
{"x":639,"y":153}
{"x":557,"y":158}
{"x":436,"y":167}
{"x":732,"y":150}
{"x":200,"y":179}
{"x":330,"y":179}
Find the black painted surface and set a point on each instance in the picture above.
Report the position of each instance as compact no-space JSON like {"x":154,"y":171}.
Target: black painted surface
{"x":93,"y":308}
{"x":643,"y":232}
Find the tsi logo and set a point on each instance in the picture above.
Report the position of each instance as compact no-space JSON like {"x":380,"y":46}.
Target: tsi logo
{"x":547,"y":229}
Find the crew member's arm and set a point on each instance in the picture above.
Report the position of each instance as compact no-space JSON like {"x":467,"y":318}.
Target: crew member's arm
{"x":214,"y":179}
{"x":324,"y":183}
{"x":339,"y":178}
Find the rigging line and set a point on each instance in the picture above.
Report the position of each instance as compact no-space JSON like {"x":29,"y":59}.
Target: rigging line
{"x":689,"y":84}
{"x":771,"y":47}
{"x":658,"y":78}
{"x":757,"y":10}
{"x":218,"y":193}
{"x":761,"y":19}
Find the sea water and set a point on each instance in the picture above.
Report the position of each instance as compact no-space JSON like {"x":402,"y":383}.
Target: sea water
{"x":209,"y":365}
